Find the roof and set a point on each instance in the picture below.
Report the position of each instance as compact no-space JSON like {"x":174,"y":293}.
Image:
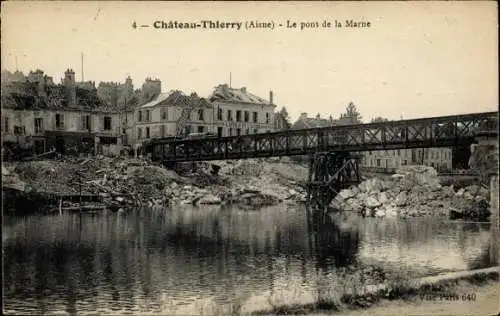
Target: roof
{"x":178,"y":98}
{"x":225,"y":93}
{"x":157,"y":100}
{"x":26,"y":95}
{"x":309,"y":122}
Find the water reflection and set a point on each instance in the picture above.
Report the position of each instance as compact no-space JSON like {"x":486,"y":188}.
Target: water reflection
{"x":166,"y":261}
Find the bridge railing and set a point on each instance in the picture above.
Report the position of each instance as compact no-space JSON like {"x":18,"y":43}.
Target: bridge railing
{"x":427,"y":132}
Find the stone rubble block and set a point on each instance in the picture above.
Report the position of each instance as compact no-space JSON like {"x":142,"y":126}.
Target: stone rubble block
{"x":413,"y":191}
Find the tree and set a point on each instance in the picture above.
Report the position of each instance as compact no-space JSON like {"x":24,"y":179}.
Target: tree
{"x":352,"y":113}
{"x":378,"y":119}
{"x":284,"y":114}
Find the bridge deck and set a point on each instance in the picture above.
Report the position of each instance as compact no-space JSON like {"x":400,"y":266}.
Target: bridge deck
{"x":446,"y":131}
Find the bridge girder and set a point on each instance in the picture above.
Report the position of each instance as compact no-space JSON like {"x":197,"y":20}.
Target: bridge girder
{"x":448,"y":131}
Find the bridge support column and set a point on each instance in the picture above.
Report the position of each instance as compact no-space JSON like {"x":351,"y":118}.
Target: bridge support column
{"x":484,"y":158}
{"x":329,"y":173}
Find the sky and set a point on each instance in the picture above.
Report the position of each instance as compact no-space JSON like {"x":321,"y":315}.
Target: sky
{"x":417,"y":59}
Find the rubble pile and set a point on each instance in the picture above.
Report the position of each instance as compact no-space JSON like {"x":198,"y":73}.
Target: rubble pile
{"x":119,"y":181}
{"x":413,"y":191}
{"x":47,"y":176}
{"x":249,"y":184}
{"x":126,"y":182}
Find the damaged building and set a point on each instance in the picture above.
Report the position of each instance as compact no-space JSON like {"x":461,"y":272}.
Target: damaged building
{"x":39,"y":116}
{"x":162,"y":116}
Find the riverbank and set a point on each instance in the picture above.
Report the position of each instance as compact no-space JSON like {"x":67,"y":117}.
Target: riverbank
{"x":414,"y":191}
{"x":462,"y":293}
{"x":122,"y":183}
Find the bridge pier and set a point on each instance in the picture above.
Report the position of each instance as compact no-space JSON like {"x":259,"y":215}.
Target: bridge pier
{"x":329,"y":173}
{"x":484,"y":158}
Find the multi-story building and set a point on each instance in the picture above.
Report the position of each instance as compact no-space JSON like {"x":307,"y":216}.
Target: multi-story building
{"x":41,"y":117}
{"x":389,"y":160}
{"x":238,"y":112}
{"x":228,"y":112}
{"x":38,"y":113}
{"x":160,"y":117}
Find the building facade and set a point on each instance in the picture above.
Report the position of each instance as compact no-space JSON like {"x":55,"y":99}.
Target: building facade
{"x":159,"y":117}
{"x":238,"y":112}
{"x":39,"y":116}
{"x":389,"y":160}
{"x":114,"y":113}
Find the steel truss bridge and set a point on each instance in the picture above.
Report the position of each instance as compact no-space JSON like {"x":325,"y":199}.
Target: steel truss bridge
{"x":333,"y":166}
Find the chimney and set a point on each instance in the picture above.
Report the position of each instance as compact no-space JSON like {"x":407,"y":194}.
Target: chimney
{"x":318,"y":116}
{"x":271,"y":97}
{"x":244,"y":89}
{"x":303,"y":115}
{"x":331,"y":118}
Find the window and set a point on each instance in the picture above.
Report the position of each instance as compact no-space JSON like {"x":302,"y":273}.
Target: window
{"x":238,"y":116}
{"x":86,"y":123}
{"x":248,"y":131}
{"x":230,"y":132}
{"x":378,"y":162}
{"x":219,"y":131}
{"x":59,"y":121}
{"x":399,"y":152}
{"x":162,"y":130}
{"x":255,"y":117}
{"x":219,"y":114}
{"x":238,"y":131}
{"x":107,"y":123}
{"x":267,"y":118}
{"x":229,"y":115}
{"x":405,"y":162}
{"x":19,"y":130}
{"x":200,"y":114}
{"x":38,"y":125}
{"x":163,"y":113}
{"x":187,"y":128}
{"x":6,"y":124}
{"x":246,"y":116}
{"x":255,"y":131}
{"x":201,"y":129}
{"x":139,"y":116}
{"x":139,"y":133}
{"x":148,"y":115}
{"x":147,"y":132}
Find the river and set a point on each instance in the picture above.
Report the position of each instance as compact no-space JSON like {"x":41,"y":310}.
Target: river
{"x":199,"y":261}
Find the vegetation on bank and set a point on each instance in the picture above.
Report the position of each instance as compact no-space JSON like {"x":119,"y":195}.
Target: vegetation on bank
{"x":331,"y":299}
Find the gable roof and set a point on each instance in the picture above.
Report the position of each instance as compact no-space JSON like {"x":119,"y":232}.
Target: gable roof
{"x":225,"y":93}
{"x":177,"y":97}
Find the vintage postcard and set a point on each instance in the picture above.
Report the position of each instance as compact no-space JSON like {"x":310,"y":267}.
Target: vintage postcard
{"x":250,"y":158}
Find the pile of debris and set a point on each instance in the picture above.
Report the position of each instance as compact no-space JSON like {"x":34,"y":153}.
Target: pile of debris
{"x":126,"y":182}
{"x":413,"y":191}
{"x":120,"y":182}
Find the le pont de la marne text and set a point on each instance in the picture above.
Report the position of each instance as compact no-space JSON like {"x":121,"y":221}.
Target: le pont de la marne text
{"x":205,"y":24}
